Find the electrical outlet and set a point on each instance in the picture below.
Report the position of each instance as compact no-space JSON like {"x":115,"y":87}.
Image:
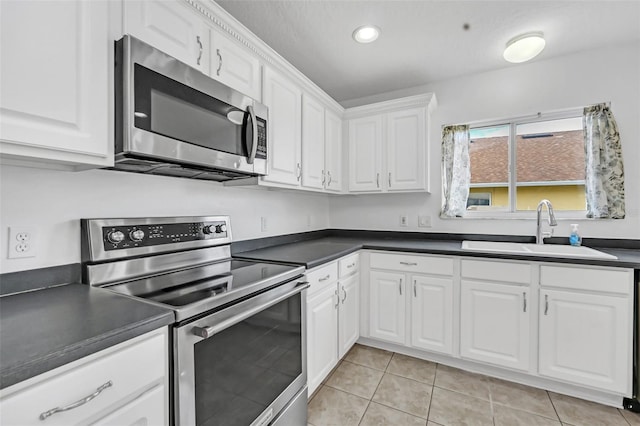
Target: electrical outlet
{"x":22,"y":242}
{"x":424,"y":221}
{"x":263,"y":224}
{"x":404,"y":220}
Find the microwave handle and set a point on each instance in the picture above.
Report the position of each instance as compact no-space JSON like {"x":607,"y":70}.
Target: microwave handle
{"x":254,"y":137}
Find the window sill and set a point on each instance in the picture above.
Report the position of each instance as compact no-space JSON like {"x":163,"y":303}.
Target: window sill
{"x":577,"y":215}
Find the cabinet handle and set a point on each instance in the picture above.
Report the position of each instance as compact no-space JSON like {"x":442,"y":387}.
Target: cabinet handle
{"x":199,"y":49}
{"x":351,"y":265}
{"x":337,"y":299}
{"x":400,"y":286}
{"x":389,"y":179}
{"x":345,"y":295}
{"x":329,"y":174}
{"x":524,"y":301}
{"x":299,"y":168}
{"x":378,"y":180}
{"x":76,"y":404}
{"x":546,"y":304}
{"x":409,"y":263}
{"x":323,"y":178}
{"x":325,"y":278}
{"x":415,"y":292}
{"x":219,"y":62}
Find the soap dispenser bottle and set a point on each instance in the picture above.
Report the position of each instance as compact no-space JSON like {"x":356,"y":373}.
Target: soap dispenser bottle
{"x":574,"y":238}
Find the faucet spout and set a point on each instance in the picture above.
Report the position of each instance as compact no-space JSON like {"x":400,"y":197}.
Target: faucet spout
{"x":552,"y":220}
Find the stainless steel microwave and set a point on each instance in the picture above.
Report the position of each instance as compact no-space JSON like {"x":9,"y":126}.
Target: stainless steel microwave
{"x":174,"y":120}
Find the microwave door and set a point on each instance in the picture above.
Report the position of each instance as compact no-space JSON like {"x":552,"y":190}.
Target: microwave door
{"x":251,"y":134}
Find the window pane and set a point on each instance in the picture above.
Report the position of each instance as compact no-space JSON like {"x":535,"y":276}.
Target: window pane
{"x":489,"y":155}
{"x":550,"y":164}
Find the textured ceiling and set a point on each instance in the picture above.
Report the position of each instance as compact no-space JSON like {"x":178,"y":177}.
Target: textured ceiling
{"x":424,"y":41}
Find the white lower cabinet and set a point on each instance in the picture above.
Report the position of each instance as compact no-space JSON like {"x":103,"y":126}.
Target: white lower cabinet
{"x":494,"y":324}
{"x":431,"y":314}
{"x":387,"y":306}
{"x":322,"y":343}
{"x":332,"y":316}
{"x":586,"y":337}
{"x":124,"y":384}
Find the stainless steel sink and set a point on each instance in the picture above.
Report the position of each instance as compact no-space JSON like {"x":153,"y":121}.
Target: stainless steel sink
{"x":550,"y":250}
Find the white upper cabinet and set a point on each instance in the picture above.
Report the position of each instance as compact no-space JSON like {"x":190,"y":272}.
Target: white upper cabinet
{"x":170,"y":26}
{"x":284,"y":100}
{"x":234,"y":65}
{"x":388,"y":144}
{"x":406,"y":158}
{"x":56,"y":88}
{"x":313,"y":147}
{"x":365,"y":154}
{"x":333,"y":151}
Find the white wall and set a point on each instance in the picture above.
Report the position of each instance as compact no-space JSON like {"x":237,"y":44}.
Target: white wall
{"x":611,"y":74}
{"x":54,"y":201}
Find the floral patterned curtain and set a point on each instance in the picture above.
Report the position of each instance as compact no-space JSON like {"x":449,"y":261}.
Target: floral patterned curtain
{"x":604,"y":169}
{"x":456,"y":171}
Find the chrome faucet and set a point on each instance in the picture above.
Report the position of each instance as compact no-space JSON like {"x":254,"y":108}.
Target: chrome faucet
{"x":552,"y":221}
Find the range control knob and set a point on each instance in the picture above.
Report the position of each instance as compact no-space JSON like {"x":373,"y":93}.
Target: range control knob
{"x":136,"y":235}
{"x":115,"y":237}
{"x":221,"y":228}
{"x":209,"y":229}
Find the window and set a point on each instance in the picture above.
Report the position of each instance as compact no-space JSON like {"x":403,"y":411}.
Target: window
{"x":515,"y":164}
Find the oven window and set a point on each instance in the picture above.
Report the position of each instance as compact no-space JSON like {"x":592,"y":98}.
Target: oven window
{"x":240,"y":371}
{"x":170,"y":108}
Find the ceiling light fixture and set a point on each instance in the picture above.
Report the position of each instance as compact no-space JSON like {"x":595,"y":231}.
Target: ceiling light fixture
{"x":366,"y":34}
{"x":524,"y":47}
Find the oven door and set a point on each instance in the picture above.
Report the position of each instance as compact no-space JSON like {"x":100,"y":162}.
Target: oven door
{"x":242,"y":365}
{"x":172,"y":112}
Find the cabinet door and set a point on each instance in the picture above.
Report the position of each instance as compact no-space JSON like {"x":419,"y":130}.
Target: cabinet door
{"x":171,"y":27}
{"x":56,"y":84}
{"x":322,"y":339}
{"x":494,"y":324}
{"x":365,"y":154}
{"x":284,"y":100}
{"x":387,"y":306}
{"x":432,"y":313}
{"x":150,"y":408}
{"x":234,"y":65}
{"x":585,"y":339}
{"x":348,"y":314}
{"x":406,"y":158}
{"x":313,"y":172}
{"x":333,"y":151}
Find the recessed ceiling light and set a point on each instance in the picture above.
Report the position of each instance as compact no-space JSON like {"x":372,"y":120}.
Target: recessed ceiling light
{"x":524,"y":47}
{"x":366,"y":34}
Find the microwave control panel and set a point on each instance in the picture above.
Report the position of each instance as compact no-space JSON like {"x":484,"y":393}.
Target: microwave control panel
{"x":261,"y":151}
{"x":126,"y":237}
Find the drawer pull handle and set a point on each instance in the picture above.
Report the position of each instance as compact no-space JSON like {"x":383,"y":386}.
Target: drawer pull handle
{"x":409,"y":263}
{"x":325,"y":278}
{"x":76,"y":404}
{"x":546,"y":304}
{"x":524,"y":301}
{"x":351,"y":265}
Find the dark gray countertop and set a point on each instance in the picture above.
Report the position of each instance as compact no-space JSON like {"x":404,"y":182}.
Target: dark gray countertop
{"x":312,"y":253}
{"x":44,"y":329}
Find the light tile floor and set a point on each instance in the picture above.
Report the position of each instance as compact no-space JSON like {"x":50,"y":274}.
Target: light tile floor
{"x":375,"y":387}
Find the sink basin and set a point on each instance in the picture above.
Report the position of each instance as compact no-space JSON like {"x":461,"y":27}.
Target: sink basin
{"x":552,"y":250}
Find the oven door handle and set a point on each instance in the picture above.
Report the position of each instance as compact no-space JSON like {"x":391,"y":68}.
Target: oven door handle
{"x":206,"y":332}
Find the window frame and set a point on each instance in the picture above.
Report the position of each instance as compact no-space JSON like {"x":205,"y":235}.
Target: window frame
{"x":511,"y":211}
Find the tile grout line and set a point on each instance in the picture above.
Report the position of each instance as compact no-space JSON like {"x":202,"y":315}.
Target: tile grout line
{"x":554,"y":406}
{"x":433,"y":386}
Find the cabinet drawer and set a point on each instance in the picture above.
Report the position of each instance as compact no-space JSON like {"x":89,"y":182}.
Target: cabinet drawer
{"x":129,"y":369}
{"x":407,"y":263}
{"x":581,"y":278}
{"x":321,"y":276}
{"x":498,"y":271}
{"x":349,"y":265}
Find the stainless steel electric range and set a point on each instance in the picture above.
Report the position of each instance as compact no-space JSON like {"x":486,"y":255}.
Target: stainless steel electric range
{"x":239,"y":343}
